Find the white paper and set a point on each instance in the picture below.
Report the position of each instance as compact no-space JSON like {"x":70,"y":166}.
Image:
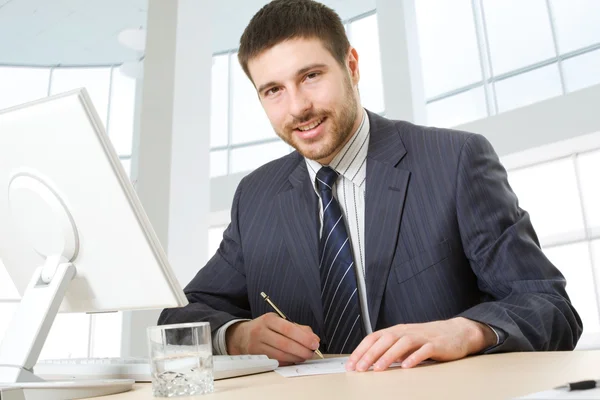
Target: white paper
{"x":557,"y":394}
{"x":336,"y":365}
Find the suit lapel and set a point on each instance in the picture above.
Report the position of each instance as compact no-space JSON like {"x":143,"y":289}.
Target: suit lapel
{"x":298,"y":213}
{"x":386,"y":188}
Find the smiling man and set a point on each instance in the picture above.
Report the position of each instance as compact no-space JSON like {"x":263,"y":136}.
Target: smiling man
{"x":379,"y":238}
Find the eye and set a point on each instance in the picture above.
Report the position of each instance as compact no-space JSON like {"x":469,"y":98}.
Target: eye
{"x":272,"y":91}
{"x":312,"y":75}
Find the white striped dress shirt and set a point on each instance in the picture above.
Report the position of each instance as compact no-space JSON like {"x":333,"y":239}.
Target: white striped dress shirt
{"x":349,"y":191}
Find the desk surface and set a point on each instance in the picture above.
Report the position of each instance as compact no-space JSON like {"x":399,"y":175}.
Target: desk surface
{"x":497,"y":376}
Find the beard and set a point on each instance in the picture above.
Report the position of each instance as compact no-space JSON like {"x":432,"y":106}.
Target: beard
{"x":340,"y":123}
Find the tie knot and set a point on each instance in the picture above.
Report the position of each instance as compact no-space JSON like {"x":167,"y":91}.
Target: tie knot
{"x":326,"y":177}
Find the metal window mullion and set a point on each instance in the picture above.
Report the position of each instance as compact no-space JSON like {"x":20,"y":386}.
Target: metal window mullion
{"x":361,"y":16}
{"x":519,"y":71}
{"x":455,"y":92}
{"x":488,"y":55}
{"x":588,"y":233}
{"x":484,"y":59}
{"x":49,"y":91}
{"x":561,"y":73}
{"x":229,"y":110}
{"x":109,"y":105}
{"x":580,"y":51}
{"x":246,"y":144}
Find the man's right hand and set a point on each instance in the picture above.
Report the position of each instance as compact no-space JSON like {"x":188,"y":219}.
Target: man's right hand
{"x":273,"y":336}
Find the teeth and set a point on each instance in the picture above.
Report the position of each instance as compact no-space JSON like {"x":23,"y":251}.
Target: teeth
{"x":311,"y":126}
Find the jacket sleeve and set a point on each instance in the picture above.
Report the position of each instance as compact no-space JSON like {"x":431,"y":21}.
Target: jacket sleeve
{"x":527,"y":301}
{"x":218,"y":292}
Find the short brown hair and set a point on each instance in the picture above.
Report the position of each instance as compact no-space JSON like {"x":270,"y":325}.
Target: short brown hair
{"x":282,"y":20}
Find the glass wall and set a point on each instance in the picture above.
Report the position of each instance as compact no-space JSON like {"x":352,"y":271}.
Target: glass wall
{"x":484,"y":57}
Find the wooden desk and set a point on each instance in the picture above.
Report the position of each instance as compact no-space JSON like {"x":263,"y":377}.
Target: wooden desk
{"x":497,"y":376}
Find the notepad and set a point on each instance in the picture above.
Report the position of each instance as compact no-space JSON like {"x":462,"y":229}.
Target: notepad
{"x":336,"y":365}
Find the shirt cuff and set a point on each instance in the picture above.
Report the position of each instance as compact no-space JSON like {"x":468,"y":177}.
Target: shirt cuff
{"x":496,"y":332}
{"x":218,"y":341}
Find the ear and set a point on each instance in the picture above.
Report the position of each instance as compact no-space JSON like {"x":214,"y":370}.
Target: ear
{"x":352,"y":64}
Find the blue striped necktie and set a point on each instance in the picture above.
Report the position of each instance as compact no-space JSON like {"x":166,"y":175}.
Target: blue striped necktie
{"x":341,"y":308}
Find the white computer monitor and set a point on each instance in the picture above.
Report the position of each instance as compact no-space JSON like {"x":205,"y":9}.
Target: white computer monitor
{"x":73,"y":234}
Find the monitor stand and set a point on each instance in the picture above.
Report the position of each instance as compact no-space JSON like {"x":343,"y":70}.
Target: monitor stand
{"x":34,"y":208}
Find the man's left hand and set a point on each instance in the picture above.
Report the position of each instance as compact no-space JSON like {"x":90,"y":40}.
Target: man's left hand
{"x":411,"y":344}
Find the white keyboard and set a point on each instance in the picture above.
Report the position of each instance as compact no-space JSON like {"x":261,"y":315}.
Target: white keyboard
{"x":138,"y":369}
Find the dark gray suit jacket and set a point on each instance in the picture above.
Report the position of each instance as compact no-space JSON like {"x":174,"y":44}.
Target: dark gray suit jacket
{"x":444,"y":237}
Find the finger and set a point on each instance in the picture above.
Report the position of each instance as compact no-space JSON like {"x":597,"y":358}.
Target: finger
{"x":399,"y":351}
{"x":361,"y":349}
{"x":426,"y":351}
{"x":383,"y":344}
{"x":286,"y":344}
{"x":279,"y":355}
{"x":304,"y":338}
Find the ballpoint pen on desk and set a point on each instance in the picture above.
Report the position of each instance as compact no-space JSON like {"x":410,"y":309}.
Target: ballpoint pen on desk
{"x":581,"y":385}
{"x":282,"y":315}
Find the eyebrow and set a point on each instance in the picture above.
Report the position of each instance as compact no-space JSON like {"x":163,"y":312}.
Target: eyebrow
{"x":301,"y":71}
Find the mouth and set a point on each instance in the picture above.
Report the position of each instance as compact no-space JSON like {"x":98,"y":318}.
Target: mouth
{"x":310,"y":130}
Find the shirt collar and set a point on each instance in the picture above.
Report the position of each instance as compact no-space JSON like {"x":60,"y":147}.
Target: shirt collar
{"x":350,"y":161}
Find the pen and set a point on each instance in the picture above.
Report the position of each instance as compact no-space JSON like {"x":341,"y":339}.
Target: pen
{"x":282,"y":315}
{"x":581,"y":385}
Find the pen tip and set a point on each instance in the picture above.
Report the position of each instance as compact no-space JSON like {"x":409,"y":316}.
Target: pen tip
{"x":263,"y":295}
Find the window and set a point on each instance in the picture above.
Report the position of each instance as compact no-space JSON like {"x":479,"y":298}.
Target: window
{"x":561,"y":196}
{"x":549,"y":193}
{"x":249,"y":120}
{"x":251,"y":157}
{"x":69,"y":337}
{"x":218,"y":163}
{"x":574,"y":261}
{"x":519,"y":33}
{"x":20,"y":85}
{"x":588,"y":167}
{"x":528,"y":88}
{"x":448,"y":45}
{"x":215,"y":236}
{"x":582,"y":71}
{"x":364,"y":36}
{"x":457,"y":109}
{"x":219,"y":105}
{"x":126,"y":163}
{"x":106,"y":334}
{"x":122,"y":112}
{"x":577,"y":23}
{"x":519,"y":52}
{"x":95,"y":80}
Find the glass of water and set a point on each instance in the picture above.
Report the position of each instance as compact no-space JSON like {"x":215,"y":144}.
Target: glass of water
{"x":181,"y":359}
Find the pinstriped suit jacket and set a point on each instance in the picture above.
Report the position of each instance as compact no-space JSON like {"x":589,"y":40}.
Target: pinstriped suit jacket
{"x":445,"y":237}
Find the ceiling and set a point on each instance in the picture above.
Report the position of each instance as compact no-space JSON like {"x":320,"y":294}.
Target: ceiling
{"x":84,"y":32}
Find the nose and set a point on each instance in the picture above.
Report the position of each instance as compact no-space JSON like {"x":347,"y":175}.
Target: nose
{"x":299,"y":104}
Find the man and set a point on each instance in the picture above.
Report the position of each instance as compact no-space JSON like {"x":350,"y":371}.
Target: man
{"x":379,"y":238}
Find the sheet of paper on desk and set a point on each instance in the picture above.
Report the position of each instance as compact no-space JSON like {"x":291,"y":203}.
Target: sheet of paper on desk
{"x":334,"y":365}
{"x":559,"y":394}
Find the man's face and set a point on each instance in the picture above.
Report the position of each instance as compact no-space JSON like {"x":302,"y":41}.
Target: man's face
{"x":310,"y":99}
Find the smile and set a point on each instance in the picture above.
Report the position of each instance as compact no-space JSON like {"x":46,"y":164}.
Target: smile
{"x":310,"y":126}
